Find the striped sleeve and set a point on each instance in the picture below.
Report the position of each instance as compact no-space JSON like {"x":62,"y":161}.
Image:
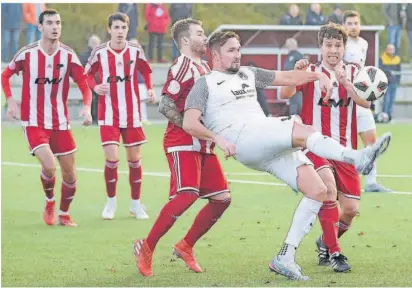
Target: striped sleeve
{"x":179,"y":78}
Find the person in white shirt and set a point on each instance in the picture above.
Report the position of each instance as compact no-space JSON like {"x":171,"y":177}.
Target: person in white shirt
{"x":222,"y":107}
{"x":356,"y":52}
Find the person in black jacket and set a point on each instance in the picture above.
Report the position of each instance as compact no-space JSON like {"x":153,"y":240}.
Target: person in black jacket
{"x":315,"y":16}
{"x":292,"y":17}
{"x":336,"y":16}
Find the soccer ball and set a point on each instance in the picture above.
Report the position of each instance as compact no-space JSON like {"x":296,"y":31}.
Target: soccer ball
{"x":382,"y":117}
{"x":370,"y":83}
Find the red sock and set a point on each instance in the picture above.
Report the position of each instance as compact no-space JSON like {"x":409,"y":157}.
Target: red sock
{"x":206,"y":218}
{"x":343,"y":227}
{"x":48,"y":184}
{"x":328,"y":218}
{"x":68,"y":191}
{"x":110,"y":176}
{"x":169,"y":214}
{"x":135,"y":179}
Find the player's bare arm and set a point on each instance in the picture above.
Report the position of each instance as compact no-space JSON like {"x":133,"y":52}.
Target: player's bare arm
{"x":194,"y":108}
{"x":12,"y":107}
{"x":168,"y":108}
{"x":342,"y":78}
{"x":287,"y":92}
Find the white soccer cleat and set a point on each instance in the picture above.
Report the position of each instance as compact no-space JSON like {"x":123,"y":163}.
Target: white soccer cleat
{"x":138,"y":210}
{"x":109,"y":209}
{"x":290,"y":270}
{"x":371,"y":153}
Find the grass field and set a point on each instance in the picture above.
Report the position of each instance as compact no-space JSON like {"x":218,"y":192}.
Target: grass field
{"x":236,"y":252}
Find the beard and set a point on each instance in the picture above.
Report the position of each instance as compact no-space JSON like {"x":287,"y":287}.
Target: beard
{"x":198,"y":48}
{"x":233,"y":69}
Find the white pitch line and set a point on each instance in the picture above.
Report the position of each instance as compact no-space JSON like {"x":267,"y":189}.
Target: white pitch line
{"x":166,"y":174}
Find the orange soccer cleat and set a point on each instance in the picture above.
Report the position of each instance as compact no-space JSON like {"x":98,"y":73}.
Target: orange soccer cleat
{"x":183,"y":251}
{"x":65,"y":220}
{"x":49,"y":213}
{"x":144,"y":257}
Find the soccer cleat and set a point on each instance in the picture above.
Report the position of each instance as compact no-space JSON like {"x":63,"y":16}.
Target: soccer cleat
{"x":144,"y":257}
{"x":290,"y":270}
{"x":375,"y":187}
{"x":370,"y":153}
{"x":65,"y":220}
{"x":323,"y":252}
{"x":139,"y":211}
{"x":183,"y":251}
{"x":339,"y":262}
{"x":110,"y":209}
{"x":49,"y":213}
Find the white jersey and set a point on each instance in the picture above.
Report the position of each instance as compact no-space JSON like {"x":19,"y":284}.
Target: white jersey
{"x":228,"y":101}
{"x":356,"y":51}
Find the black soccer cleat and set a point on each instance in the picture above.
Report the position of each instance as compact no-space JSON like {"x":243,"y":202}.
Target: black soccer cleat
{"x":323,"y":252}
{"x":339,"y":263}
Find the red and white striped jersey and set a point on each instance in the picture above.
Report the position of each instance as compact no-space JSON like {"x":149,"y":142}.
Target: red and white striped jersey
{"x":337,"y":118}
{"x":46,"y":84}
{"x":180,"y":80}
{"x":120,"y":107}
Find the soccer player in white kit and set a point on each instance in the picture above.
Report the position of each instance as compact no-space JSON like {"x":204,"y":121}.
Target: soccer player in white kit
{"x":355,"y":52}
{"x":222,"y":107}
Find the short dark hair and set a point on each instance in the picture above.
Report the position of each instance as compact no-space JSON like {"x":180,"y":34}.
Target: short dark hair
{"x":332,"y":31}
{"x":350,"y":13}
{"x":181,"y":29}
{"x":117,"y":16}
{"x":218,"y":39}
{"x":47,"y":12}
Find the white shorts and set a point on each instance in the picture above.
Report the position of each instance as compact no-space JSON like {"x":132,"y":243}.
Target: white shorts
{"x":267,"y":146}
{"x":364,"y":119}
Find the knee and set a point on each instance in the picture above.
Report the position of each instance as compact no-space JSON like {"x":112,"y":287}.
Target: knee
{"x":69,"y":176}
{"x":222,"y":199}
{"x":350,"y":211}
{"x":331,"y":193}
{"x":49,"y":169}
{"x":317,"y":192}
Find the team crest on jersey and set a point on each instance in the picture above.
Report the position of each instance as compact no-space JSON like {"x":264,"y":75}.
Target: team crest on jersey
{"x":242,"y":75}
{"x":174,"y":87}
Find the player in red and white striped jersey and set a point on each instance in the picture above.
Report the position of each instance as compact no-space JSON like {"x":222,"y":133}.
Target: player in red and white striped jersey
{"x":117,"y":64}
{"x":46,"y":66}
{"x":195,"y":169}
{"x":336,"y":118}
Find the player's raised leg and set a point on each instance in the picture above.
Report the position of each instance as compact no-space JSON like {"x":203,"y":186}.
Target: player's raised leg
{"x":214,"y":187}
{"x":134,"y":157}
{"x":296,"y":170}
{"x":48,"y":179}
{"x":326,"y":147}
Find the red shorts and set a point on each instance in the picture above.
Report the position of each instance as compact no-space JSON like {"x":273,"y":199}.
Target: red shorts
{"x":61,"y":142}
{"x":346,"y":177}
{"x":196,"y":171}
{"x":131,"y":136}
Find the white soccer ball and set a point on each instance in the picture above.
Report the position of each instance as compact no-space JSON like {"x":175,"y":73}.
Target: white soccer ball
{"x":370,"y":83}
{"x":382,"y":117}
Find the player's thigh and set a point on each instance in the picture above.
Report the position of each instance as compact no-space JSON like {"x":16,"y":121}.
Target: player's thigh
{"x":134,"y":153}
{"x":301,"y":132}
{"x":110,"y":137}
{"x":62,"y":143}
{"x":68,"y":167}
{"x":366,"y":126}
{"x":325,"y":170}
{"x":213,"y":181}
{"x":347,"y":180}
{"x":265,"y":139}
{"x":133,"y":138}
{"x":185,"y":170}
{"x":348,"y":206}
{"x":38,"y":140}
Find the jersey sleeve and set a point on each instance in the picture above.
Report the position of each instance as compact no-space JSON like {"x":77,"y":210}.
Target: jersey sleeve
{"x":263,"y":77}
{"x":198,"y":96}
{"x":78,"y":76}
{"x":179,"y":79}
{"x":14,"y":67}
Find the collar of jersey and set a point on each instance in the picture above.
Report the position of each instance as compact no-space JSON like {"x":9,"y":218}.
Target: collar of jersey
{"x":45,"y":53}
{"x":114,"y":52}
{"x":194,"y":60}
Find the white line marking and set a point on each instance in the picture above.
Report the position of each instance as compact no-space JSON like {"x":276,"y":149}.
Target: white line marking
{"x":167,"y":174}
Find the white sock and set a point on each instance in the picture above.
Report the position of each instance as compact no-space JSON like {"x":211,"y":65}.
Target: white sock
{"x":111,"y":200}
{"x":302,"y":222}
{"x":371,"y":178}
{"x":135,"y":202}
{"x":328,"y":148}
{"x":61,"y":213}
{"x":50,"y":200}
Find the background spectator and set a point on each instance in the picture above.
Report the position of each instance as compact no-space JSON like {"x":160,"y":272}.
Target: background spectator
{"x":157,"y":19}
{"x":336,"y":16}
{"x":315,"y":16}
{"x":11,"y":17}
{"x":389,"y":63}
{"x":409,"y":27}
{"x":130,"y":9}
{"x":292,"y":17}
{"x":31,"y":13}
{"x":177,"y":12}
{"x":391,"y":12}
{"x":295,"y":103}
